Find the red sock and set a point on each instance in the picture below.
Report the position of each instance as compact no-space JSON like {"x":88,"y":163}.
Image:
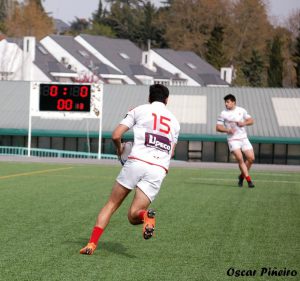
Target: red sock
{"x":241,"y":176}
{"x":248,"y":178}
{"x":142,"y":214}
{"x":96,"y":233}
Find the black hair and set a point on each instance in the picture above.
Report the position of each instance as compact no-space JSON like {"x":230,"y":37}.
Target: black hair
{"x":158,"y":92}
{"x":230,"y":97}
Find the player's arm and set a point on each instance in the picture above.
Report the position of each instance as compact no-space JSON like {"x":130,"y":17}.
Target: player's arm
{"x":173,"y":150}
{"x":175,"y":140}
{"x":247,"y":122}
{"x":222,"y":129}
{"x":117,"y":134}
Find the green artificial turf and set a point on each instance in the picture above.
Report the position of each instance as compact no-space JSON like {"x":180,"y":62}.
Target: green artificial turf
{"x":205,"y":226}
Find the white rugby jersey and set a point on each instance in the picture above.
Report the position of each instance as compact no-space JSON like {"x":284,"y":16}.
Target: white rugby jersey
{"x":229,"y":119}
{"x":156,"y":131}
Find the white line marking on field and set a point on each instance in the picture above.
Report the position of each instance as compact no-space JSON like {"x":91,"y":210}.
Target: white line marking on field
{"x":210,"y":179}
{"x":288,"y":174}
{"x":34,"y":173}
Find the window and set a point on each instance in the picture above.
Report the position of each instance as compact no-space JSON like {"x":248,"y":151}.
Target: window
{"x":83,"y":53}
{"x":43,"y":51}
{"x":124,"y":56}
{"x":162,"y":82}
{"x":190,"y":65}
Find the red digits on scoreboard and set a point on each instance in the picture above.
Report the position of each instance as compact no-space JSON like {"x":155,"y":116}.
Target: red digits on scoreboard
{"x":64,"y":104}
{"x":53,"y":91}
{"x":84,"y":91}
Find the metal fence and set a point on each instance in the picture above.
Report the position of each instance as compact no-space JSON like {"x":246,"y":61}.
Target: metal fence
{"x":38,"y":152}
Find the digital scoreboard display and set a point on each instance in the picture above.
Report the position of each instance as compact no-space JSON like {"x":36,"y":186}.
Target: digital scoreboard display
{"x":65,"y":97}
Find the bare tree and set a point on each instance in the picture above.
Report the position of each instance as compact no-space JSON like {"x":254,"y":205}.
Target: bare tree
{"x":293,"y":23}
{"x":189,"y":23}
{"x":249,"y":27}
{"x":29,"y":20}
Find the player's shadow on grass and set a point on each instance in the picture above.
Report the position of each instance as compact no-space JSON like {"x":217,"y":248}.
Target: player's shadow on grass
{"x":116,"y":248}
{"x":112,"y":247}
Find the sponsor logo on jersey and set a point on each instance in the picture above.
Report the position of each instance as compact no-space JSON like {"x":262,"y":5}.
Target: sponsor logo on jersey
{"x":159,"y":142}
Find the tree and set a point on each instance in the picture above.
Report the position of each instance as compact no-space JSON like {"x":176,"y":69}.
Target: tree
{"x":98,"y":26}
{"x":287,"y":49}
{"x":215,"y":53}
{"x":79,"y":26}
{"x":101,"y":29}
{"x":39,"y":4}
{"x":3,"y":10}
{"x":293,"y":23}
{"x":296,"y":59}
{"x":6,"y":8}
{"x":253,"y":70}
{"x":99,"y":15}
{"x":124,"y":18}
{"x":29,"y":20}
{"x":135,"y":20}
{"x":189,"y":23}
{"x":149,"y":29}
{"x":275,"y":71}
{"x":247,"y":28}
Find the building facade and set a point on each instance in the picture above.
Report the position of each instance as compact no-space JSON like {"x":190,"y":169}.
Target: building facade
{"x":275,"y":134}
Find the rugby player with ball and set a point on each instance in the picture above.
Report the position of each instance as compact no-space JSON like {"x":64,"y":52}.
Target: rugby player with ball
{"x":145,"y":166}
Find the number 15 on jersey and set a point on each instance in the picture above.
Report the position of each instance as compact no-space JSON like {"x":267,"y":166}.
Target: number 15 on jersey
{"x":161,"y":123}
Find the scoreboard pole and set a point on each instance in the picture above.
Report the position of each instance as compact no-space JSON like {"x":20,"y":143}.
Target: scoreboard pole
{"x":100,"y":129}
{"x":30,"y":118}
{"x":100,"y":110}
{"x":29,"y":136}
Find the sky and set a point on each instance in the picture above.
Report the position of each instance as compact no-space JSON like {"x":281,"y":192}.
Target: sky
{"x":67,"y":10}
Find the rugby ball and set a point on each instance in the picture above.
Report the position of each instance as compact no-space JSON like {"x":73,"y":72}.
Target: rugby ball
{"x":127,"y":150}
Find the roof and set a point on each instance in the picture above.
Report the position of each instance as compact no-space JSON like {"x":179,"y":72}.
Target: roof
{"x":17,"y":41}
{"x":48,"y":64}
{"x":43,"y":59}
{"x":122,"y":53}
{"x":195,"y":67}
{"x":162,"y":73}
{"x":107,"y":57}
{"x":276,"y":111}
{"x":82,"y":55}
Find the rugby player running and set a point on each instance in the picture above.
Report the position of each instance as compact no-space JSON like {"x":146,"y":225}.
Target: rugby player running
{"x":233,"y":121}
{"x":156,"y":132}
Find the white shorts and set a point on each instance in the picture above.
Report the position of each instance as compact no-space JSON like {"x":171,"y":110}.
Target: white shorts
{"x":145,"y":176}
{"x":243,"y":144}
